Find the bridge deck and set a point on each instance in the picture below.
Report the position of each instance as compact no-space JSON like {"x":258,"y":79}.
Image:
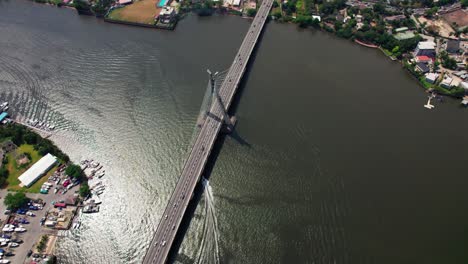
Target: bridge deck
{"x":194,"y":166}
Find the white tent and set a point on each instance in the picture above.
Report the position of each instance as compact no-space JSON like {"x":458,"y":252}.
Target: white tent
{"x":37,"y":170}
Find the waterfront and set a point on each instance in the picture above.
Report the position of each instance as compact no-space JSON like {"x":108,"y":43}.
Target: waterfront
{"x":337,"y":158}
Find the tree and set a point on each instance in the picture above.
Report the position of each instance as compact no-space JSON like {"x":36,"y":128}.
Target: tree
{"x":30,"y":138}
{"x":3,"y":172}
{"x":15,"y":201}
{"x":251,"y":12}
{"x":448,"y":62}
{"x":277,"y":14}
{"x":275,"y":4}
{"x":84,"y":189}
{"x":464,"y":3}
{"x":74,"y":171}
{"x":431,"y":12}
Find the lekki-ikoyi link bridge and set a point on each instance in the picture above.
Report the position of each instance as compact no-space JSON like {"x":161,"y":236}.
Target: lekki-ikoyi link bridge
{"x":210,"y":126}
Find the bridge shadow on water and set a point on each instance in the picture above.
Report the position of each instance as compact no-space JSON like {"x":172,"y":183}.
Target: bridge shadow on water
{"x":199,"y":189}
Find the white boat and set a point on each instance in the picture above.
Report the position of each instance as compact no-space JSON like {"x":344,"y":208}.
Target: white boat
{"x":4,"y":104}
{"x":99,"y":192}
{"x":101,"y":174}
{"x":5,"y":108}
{"x":76,"y":225}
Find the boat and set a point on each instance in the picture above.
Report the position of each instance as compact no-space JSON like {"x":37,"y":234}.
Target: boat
{"x":90,"y":209}
{"x":76,"y":225}
{"x":102,"y":173}
{"x":99,"y":192}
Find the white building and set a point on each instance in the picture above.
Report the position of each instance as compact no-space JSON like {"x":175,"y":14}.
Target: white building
{"x":446,"y":82}
{"x":425,"y":48}
{"x":464,"y":85}
{"x":431,"y":77}
{"x":37,"y":170}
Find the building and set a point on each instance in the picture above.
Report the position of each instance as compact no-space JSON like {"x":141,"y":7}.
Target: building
{"x":167,"y":15}
{"x":425,"y":48}
{"x":37,"y":170}
{"x":422,"y":67}
{"x":394,"y":18}
{"x":464,"y":85}
{"x":233,"y":2}
{"x":453,"y":46}
{"x":446,"y":82}
{"x":424,"y":59}
{"x":431,"y":77}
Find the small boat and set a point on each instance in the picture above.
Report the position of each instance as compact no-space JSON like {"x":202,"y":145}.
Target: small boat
{"x":99,"y":192}
{"x":102,"y":173}
{"x":76,"y":225}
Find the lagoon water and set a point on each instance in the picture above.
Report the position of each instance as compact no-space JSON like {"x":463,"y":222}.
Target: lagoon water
{"x":334,"y":159}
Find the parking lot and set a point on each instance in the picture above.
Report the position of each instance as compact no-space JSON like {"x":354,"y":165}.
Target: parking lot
{"x":34,"y":229}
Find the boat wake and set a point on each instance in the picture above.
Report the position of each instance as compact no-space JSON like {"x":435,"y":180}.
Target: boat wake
{"x":209,"y":248}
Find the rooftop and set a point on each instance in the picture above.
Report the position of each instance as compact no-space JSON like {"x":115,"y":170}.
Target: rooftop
{"x":426,"y":45}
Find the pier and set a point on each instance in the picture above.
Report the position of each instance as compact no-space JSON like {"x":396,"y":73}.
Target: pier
{"x":166,"y":231}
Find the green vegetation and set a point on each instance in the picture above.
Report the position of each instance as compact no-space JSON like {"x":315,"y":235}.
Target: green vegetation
{"x":84,"y":189}
{"x":205,"y":8}
{"x":16,"y":200}
{"x":448,"y":62}
{"x":74,"y":171}
{"x":42,"y":243}
{"x":30,"y":145}
{"x":22,"y":135}
{"x":251,"y":12}
{"x":101,"y":7}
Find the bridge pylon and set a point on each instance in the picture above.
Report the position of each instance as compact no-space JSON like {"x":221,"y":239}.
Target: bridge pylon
{"x":229,"y":122}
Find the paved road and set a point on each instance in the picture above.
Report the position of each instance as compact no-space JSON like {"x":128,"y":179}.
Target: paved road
{"x":175,"y":210}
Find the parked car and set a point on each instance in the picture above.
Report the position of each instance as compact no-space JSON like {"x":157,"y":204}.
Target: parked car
{"x":23,"y":221}
{"x":5,"y":236}
{"x":32,"y":207}
{"x":20,"y":229}
{"x":19,"y":241}
{"x":13,"y":244}
{"x":30,"y":213}
{"x":8,"y":229}
{"x":9,"y":254}
{"x":4,"y":261}
{"x":21,"y":211}
{"x":7,"y":212}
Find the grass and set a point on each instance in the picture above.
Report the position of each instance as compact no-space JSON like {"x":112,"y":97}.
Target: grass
{"x":12,"y":182}
{"x":142,"y":11}
{"x":299,"y":6}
